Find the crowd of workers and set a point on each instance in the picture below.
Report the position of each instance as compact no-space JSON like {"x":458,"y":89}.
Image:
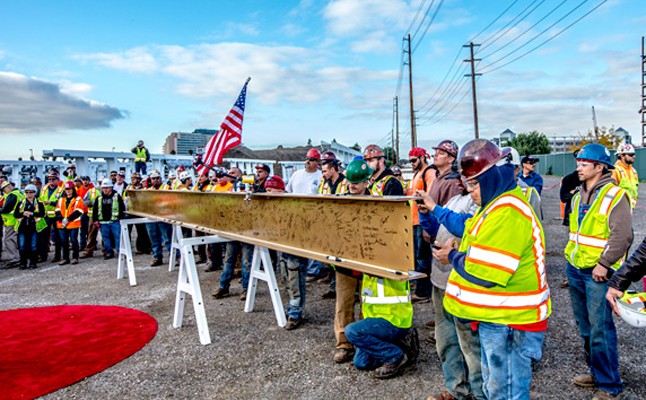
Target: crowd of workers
{"x":477,"y":235}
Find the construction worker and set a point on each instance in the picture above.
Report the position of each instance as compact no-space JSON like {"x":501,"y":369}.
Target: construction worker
{"x":108,"y":210}
{"x":173,"y":183}
{"x":186,"y":181}
{"x":498,"y":279}
{"x":69,"y":210}
{"x":530,"y":192}
{"x":11,"y":197}
{"x":223,"y":182}
{"x":397,"y":173}
{"x":382,"y":182}
{"x":142,"y":245}
{"x":49,"y":195}
{"x":262,"y":173}
{"x":457,"y":345}
{"x":70,"y":173}
{"x":528,"y":175}
{"x":160,"y":233}
{"x":81,"y":191}
{"x":600,"y":235}
{"x":624,"y":173}
{"x":30,"y":219}
{"x":93,"y":232}
{"x":384,"y":340}
{"x":630,"y":271}
{"x":121,"y":184}
{"x":357,"y":174}
{"x":423,"y":178}
{"x":332,"y":180}
{"x":142,"y":156}
{"x":203,"y":183}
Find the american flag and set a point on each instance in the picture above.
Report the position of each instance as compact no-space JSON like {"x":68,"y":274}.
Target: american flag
{"x":229,"y":135}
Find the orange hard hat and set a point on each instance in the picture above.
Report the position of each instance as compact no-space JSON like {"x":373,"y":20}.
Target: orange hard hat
{"x":372,"y":151}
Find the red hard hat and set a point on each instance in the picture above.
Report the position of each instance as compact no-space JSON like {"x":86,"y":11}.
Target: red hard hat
{"x":314,"y":153}
{"x":328,"y":157}
{"x":417,"y":152}
{"x":449,"y":146}
{"x":69,"y":185}
{"x":477,"y":156}
{"x":275,"y":182}
{"x":372,"y":151}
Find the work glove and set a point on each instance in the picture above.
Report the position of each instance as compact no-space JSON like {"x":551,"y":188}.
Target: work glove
{"x":64,"y":222}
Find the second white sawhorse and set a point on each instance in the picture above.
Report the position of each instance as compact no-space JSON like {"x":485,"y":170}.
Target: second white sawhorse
{"x":125,"y":249}
{"x":188,"y":283}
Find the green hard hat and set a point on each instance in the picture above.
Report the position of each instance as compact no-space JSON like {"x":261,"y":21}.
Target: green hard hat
{"x":358,"y":171}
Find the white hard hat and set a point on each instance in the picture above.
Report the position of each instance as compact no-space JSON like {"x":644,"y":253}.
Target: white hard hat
{"x":626,"y":149}
{"x":106,"y":182}
{"x":211,"y":173}
{"x":172,"y":174}
{"x":184,"y":175}
{"x":633,"y":309}
{"x":513,"y":157}
{"x":155,"y":174}
{"x":31,"y":188}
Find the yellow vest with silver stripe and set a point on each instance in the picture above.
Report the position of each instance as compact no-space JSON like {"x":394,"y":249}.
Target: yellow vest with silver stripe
{"x":628,"y":181}
{"x":588,"y":241}
{"x":387,"y":299}
{"x":505,"y":244}
{"x":377,"y":188}
{"x":140,"y":155}
{"x":324,"y":187}
{"x":50,"y":211}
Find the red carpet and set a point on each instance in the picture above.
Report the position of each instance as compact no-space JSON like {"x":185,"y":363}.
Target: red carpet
{"x":46,"y":348}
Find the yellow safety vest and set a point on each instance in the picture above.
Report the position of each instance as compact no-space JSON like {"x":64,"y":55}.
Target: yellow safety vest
{"x":162,"y":187}
{"x":50,"y":211}
{"x":8,"y":219}
{"x":140,"y":155}
{"x":377,"y":188}
{"x":324,"y":187}
{"x":91,"y":194}
{"x":589,"y":240}
{"x":629,"y":181}
{"x":388,"y":299}
{"x":115,"y":208}
{"x":504,"y":244}
{"x":40,"y":222}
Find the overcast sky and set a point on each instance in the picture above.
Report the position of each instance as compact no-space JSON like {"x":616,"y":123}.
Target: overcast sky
{"x":98,"y":75}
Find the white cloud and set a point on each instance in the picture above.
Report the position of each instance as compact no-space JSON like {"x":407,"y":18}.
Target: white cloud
{"x":31,"y":105}
{"x":133,"y":60}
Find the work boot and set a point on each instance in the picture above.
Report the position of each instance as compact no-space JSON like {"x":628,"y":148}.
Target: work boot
{"x":415,"y":299}
{"x":584,"y":380}
{"x":221,"y":293}
{"x":343,"y":355}
{"x":388,"y":371}
{"x":75,"y":261}
{"x":330,"y":294}
{"x":63,"y":262}
{"x":243,"y":296}
{"x":156,"y":262}
{"x":603,"y":395}
{"x":443,"y":395}
{"x":86,"y":254}
{"x":293,"y":323}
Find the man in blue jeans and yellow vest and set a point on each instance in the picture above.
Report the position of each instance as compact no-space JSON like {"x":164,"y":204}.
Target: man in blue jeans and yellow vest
{"x":498,"y":281}
{"x":384,"y":339}
{"x":600,"y":235}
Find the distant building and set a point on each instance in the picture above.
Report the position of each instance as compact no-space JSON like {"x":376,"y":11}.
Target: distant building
{"x":506,"y":136}
{"x":185,"y":143}
{"x":563,"y":144}
{"x":623,"y":136}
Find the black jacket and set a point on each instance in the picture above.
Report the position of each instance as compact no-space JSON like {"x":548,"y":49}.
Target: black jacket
{"x":631,"y":270}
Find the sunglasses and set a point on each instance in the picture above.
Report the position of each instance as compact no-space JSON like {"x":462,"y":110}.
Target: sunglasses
{"x":413,"y":160}
{"x":52,"y":179}
{"x":29,"y":191}
{"x":397,"y":174}
{"x":312,"y":159}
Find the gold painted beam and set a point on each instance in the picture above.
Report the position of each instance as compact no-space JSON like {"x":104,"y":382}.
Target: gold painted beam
{"x":368,"y":234}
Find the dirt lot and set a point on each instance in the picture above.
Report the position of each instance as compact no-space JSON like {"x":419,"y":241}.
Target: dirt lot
{"x":252,"y":358}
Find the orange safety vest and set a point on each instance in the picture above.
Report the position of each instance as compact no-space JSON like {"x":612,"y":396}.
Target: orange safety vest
{"x":75,"y":204}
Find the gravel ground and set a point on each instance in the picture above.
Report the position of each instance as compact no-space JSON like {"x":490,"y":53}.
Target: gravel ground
{"x":252,"y":358}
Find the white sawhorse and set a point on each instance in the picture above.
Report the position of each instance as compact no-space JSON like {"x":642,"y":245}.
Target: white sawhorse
{"x":258,"y":273}
{"x":175,"y":247}
{"x":125,"y":249}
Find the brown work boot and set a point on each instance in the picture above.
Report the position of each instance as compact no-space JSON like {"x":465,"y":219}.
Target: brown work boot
{"x":603,"y":395}
{"x":87,"y":254}
{"x":388,"y":371}
{"x":75,"y":261}
{"x":221,"y":293}
{"x":243,"y":296}
{"x":343,"y":355}
{"x":293,"y":323}
{"x":330,"y":294}
{"x":156,"y":262}
{"x":443,"y":395}
{"x":415,"y":299}
{"x":63,"y":262}
{"x":584,"y":380}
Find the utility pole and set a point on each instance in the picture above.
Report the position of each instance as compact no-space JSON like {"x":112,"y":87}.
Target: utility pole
{"x":413,"y":130}
{"x":643,"y":109}
{"x":397,"y":128}
{"x":594,"y":121}
{"x":473,"y":86}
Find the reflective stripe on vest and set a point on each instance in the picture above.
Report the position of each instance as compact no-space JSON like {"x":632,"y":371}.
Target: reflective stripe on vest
{"x":140,"y":155}
{"x":8,"y":219}
{"x":377,"y":188}
{"x":50,"y":211}
{"x":115,"y":208}
{"x":387,"y":299}
{"x":523,"y":298}
{"x":40,"y":222}
{"x":75,"y":204}
{"x":324,"y":187}
{"x":588,"y":241}
{"x":381,"y":297}
{"x":629,"y":181}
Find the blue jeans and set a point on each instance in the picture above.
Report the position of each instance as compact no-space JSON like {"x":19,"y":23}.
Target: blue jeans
{"x":507,"y":356}
{"x":160,"y":236}
{"x":296,"y":274}
{"x":67,"y":236}
{"x":314,"y":267}
{"x":230,"y":258}
{"x":110,"y":233}
{"x":593,"y":316}
{"x":375,"y":340}
{"x":422,"y":263}
{"x":28,"y":247}
{"x":458,"y":347}
{"x":141,"y":167}
{"x":85,"y":223}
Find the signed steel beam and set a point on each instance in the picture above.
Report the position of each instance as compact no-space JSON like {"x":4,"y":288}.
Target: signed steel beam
{"x":368,"y":234}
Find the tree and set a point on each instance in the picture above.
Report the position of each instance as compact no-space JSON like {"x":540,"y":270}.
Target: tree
{"x":533,"y":142}
{"x":356,"y":147}
{"x":389,"y":153}
{"x":309,"y":142}
{"x":603,"y":136}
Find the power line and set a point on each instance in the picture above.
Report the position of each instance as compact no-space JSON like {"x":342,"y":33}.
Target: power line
{"x":473,"y":39}
{"x":422,"y":21}
{"x":430,"y":22}
{"x":419,"y":10}
{"x":486,"y":70}
{"x":466,"y":92}
{"x":448,"y":92}
{"x":505,"y":29}
{"x":457,"y":56}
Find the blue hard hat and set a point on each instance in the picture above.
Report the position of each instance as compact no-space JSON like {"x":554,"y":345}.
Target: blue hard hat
{"x":597,"y":153}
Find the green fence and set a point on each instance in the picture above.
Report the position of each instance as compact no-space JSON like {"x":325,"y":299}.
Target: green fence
{"x":562,"y":164}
